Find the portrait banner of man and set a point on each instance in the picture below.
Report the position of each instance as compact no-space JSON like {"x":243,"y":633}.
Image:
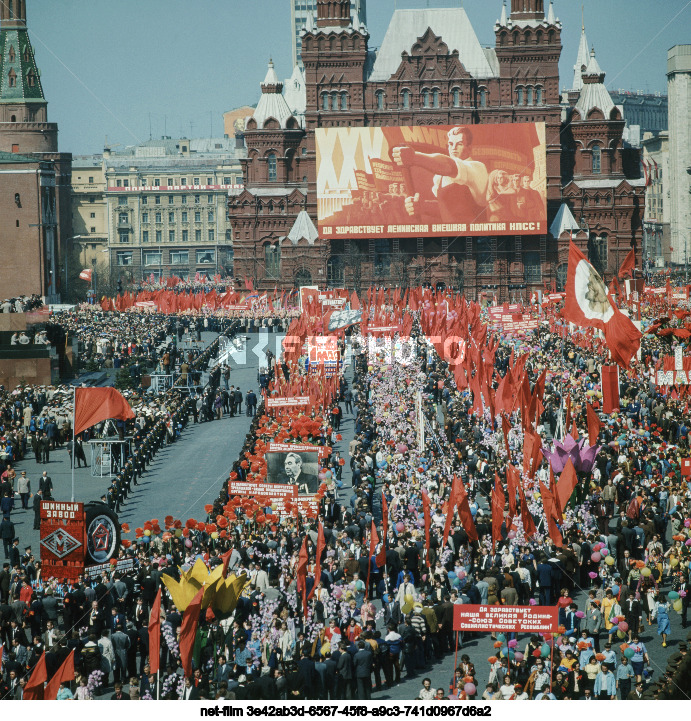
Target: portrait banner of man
{"x":295,"y":468}
{"x":432,"y":180}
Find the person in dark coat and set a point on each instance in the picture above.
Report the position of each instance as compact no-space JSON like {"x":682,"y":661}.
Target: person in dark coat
{"x":362,"y":667}
{"x":37,"y":510}
{"x":344,"y":674}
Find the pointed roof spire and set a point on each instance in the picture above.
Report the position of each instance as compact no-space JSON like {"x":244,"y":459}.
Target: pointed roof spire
{"x":550,"y":14}
{"x":502,"y":20}
{"x":271,"y":77}
{"x":593,"y":67}
{"x":582,"y":59}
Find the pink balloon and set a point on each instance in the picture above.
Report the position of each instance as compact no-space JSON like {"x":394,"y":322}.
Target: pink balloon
{"x":470,"y":689}
{"x":188,"y":543}
{"x":623,"y":626}
{"x":604,"y":551}
{"x":532,"y":602}
{"x":400,"y":526}
{"x":596,"y":557}
{"x":592,"y":574}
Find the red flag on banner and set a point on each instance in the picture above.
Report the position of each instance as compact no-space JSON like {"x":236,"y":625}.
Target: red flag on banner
{"x":528,"y":522}
{"x":628,"y":265}
{"x":64,"y":674}
{"x":594,"y":425}
{"x":33,"y":691}
{"x":588,"y":304}
{"x":512,"y":483}
{"x":498,"y":503}
{"x":93,"y":405}
{"x":188,"y":632}
{"x":226,"y":560}
{"x":155,"y":634}
{"x":548,"y":506}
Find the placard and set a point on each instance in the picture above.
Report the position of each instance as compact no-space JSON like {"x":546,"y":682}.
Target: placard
{"x":686,"y":466}
{"x":63,"y":540}
{"x":295,"y":467}
{"x":523,"y":619}
{"x":323,"y":451}
{"x":287,"y":401}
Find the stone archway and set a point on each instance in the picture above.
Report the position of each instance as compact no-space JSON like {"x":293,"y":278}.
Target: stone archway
{"x":303,"y":277}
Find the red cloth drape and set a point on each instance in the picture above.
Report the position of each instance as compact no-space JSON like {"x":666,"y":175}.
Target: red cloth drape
{"x":188,"y":632}
{"x":63,"y":675}
{"x":155,"y":634}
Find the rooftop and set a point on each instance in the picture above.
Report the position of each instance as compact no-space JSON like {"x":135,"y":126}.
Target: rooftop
{"x":451,"y":24}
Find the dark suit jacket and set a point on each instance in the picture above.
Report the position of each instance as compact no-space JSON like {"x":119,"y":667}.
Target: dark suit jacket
{"x":362,"y":663}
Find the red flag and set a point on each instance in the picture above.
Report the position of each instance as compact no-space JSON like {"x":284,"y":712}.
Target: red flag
{"x":498,"y":503}
{"x":512,"y":483}
{"x":33,"y":691}
{"x":86,"y":274}
{"x":354,"y":302}
{"x":301,"y":574}
{"x":628,"y":265}
{"x":609,"y":376}
{"x":557,"y":507}
{"x":594,"y":425}
{"x":381,"y":556}
{"x":64,"y":674}
{"x":450,"y":509}
{"x":318,"y":565}
{"x":548,"y":506}
{"x":566,"y":485}
{"x":588,"y":304}
{"x":93,"y":405}
{"x":155,"y":634}
{"x":373,"y":543}
{"x":188,"y":632}
{"x":425,"y":512}
{"x":567,"y":403}
{"x":226,"y":560}
{"x":528,"y":522}
{"x":465,"y":514}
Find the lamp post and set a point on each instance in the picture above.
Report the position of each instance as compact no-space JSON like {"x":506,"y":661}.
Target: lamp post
{"x":74,"y":237}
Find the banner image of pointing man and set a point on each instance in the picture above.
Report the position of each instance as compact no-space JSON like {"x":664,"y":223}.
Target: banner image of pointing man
{"x":432,"y":180}
{"x":296,"y":468}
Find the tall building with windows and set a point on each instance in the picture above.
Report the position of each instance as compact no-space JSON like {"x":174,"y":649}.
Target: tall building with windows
{"x":162,"y":207}
{"x":303,"y":14}
{"x":679,"y":92}
{"x":430,"y":70}
{"x":35,"y":214}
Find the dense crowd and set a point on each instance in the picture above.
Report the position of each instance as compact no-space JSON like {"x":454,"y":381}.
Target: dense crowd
{"x":379,"y":612}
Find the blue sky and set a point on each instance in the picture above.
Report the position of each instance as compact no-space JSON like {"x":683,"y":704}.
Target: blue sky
{"x":119,"y":68}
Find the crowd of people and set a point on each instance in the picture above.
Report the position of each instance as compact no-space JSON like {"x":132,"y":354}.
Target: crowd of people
{"x":354,"y":593}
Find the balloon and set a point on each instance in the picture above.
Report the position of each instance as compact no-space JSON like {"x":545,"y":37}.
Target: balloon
{"x":178,"y":532}
{"x":673,"y":562}
{"x":580,"y":614}
{"x":677,"y":605}
{"x":629,"y":653}
{"x":596,"y":557}
{"x":519,"y":656}
{"x":470,"y":689}
{"x":214,"y":535}
{"x":604,"y":552}
{"x":615,"y":589}
{"x":544,"y":650}
{"x":645,"y":571}
{"x":360,"y":585}
{"x":147,"y":532}
{"x":408,"y":598}
{"x":621,"y":634}
{"x":673,"y":595}
{"x":451,"y":574}
{"x":512,"y":644}
{"x":501,"y":637}
{"x":609,"y":560}
{"x":592,"y":574}
{"x":188,"y":543}
{"x":400,"y":527}
{"x":623,"y":626}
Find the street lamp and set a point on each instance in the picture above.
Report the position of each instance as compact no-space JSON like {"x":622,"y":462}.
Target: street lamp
{"x":74,"y":237}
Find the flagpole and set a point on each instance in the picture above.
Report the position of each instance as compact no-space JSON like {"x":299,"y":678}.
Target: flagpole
{"x":74,"y":447}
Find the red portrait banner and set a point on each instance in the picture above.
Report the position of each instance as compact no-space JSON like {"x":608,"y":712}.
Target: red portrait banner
{"x":63,"y":540}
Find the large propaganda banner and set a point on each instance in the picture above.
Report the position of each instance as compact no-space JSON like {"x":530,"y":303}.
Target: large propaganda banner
{"x":432,"y":180}
{"x":524,"y":619}
{"x":323,"y":350}
{"x":287,"y":401}
{"x":288,"y":447}
{"x":294,"y":468}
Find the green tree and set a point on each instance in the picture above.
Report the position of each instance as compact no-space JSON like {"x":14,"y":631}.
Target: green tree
{"x":123,"y":379}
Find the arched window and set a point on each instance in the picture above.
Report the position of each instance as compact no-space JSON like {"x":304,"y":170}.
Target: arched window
{"x":380,"y":99}
{"x":425,"y":98}
{"x":435,"y":98}
{"x":456,"y":97}
{"x":538,"y":96}
{"x":482,"y":93}
{"x":405,"y":99}
{"x":271,"y":164}
{"x":562,"y":271}
{"x":31,"y":79}
{"x":334,"y":271}
{"x":325,"y":101}
{"x":334,"y":101}
{"x":519,"y":96}
{"x":12,"y":78}
{"x":303,"y":277}
{"x":597,"y":160}
{"x":272,"y":260}
{"x":530,"y":97}
{"x":344,"y":101}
